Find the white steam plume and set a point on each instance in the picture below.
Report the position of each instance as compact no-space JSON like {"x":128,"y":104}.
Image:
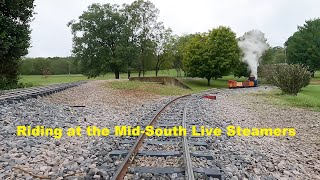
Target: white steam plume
{"x":253,"y":45}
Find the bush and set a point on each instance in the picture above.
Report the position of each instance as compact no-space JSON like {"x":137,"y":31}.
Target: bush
{"x":4,"y":85}
{"x":289,"y":78}
{"x":24,"y":85}
{"x":8,"y":82}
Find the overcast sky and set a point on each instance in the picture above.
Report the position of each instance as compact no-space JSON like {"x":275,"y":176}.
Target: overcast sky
{"x":278,"y":19}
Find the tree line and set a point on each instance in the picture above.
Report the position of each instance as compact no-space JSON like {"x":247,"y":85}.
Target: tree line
{"x":49,"y":66}
{"x":113,"y":38}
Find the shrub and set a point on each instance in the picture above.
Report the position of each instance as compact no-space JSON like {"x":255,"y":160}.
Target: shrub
{"x":289,"y":78}
{"x":24,"y":85}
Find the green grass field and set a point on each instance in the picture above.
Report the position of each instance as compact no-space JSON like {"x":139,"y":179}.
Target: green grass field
{"x":38,"y":80}
{"x":154,"y":88}
{"x":316,"y":79}
{"x":309,"y":97}
{"x":198,"y":84}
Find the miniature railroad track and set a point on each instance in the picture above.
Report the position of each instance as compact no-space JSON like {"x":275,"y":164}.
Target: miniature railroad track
{"x":143,"y":148}
{"x":34,"y":92}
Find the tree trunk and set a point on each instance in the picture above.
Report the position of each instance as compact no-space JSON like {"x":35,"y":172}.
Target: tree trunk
{"x":157,"y":65}
{"x":139,"y":73}
{"x":143,"y":69}
{"x":117,"y":74}
{"x":208,"y":81}
{"x":184,"y":72}
{"x":129,"y":74}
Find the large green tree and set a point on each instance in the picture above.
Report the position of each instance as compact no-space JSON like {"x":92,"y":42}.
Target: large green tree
{"x":303,"y":46}
{"x":180,"y":49}
{"x":241,"y":69}
{"x":274,"y":55}
{"x":213,"y":55}
{"x":197,"y":62}
{"x":143,"y":19}
{"x":164,"y":47}
{"x":100,"y":40}
{"x":15,"y":17}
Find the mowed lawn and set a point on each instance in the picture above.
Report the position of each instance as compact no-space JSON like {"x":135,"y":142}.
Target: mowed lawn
{"x":148,"y":87}
{"x":198,"y":84}
{"x":39,"y":80}
{"x":309,"y":97}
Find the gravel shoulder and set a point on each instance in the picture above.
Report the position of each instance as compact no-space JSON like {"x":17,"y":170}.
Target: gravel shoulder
{"x":87,"y":157}
{"x":68,"y":157}
{"x":266,"y":157}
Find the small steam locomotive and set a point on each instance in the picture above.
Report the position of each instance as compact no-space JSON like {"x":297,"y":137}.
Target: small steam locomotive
{"x":251,"y":82}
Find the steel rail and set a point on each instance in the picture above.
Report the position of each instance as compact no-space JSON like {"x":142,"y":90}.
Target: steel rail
{"x":187,"y":157}
{"x":25,"y":93}
{"x":122,"y":170}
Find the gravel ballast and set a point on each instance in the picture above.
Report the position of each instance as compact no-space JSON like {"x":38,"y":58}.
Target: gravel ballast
{"x":88,"y":157}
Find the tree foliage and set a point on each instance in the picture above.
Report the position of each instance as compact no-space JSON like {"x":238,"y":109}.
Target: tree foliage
{"x":15,"y":17}
{"x":241,"y":69}
{"x":164,"y":47}
{"x":99,"y":40}
{"x":113,"y":38}
{"x":180,"y":49}
{"x":274,"y":55}
{"x":54,"y":65}
{"x":212,"y":55}
{"x":143,"y":21}
{"x":303,"y":46}
{"x":289,"y":78}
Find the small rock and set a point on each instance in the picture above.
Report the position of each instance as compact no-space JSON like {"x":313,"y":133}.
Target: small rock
{"x":256,"y":170}
{"x":92,"y":166}
{"x":281,"y":165}
{"x":234,"y":178}
{"x":96,"y":176}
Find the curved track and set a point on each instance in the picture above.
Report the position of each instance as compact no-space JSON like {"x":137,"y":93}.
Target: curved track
{"x":177,"y":108}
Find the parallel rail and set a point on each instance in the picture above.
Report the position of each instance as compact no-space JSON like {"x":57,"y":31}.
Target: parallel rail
{"x":34,"y":92}
{"x":187,"y":157}
{"x":188,"y":169}
{"x":122,"y":170}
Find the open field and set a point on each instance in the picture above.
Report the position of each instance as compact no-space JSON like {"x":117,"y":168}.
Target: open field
{"x":39,"y":80}
{"x":197,"y":84}
{"x":309,"y":97}
{"x":316,"y":79}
